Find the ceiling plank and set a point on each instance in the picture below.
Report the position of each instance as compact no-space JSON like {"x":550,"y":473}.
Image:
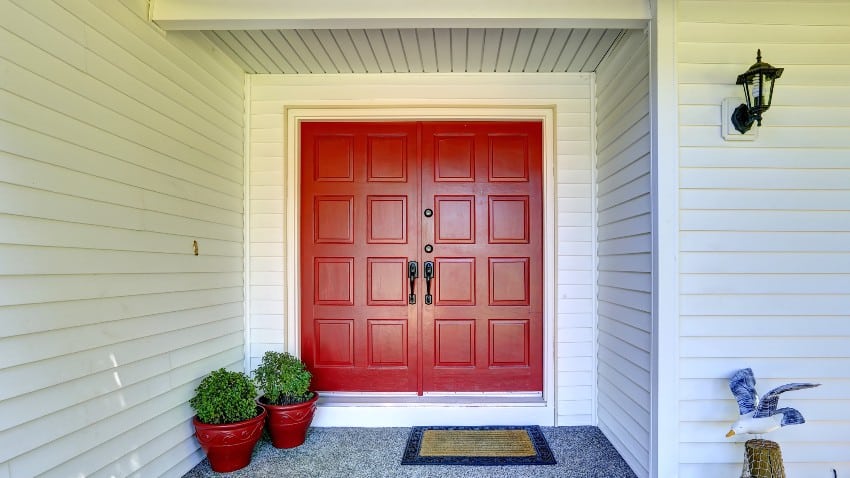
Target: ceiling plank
{"x":316,"y":50}
{"x":239,"y":49}
{"x":443,"y":43}
{"x":277,"y":60}
{"x":459,"y":46}
{"x":379,"y":48}
{"x":329,"y":44}
{"x":348,"y":44}
{"x":490,"y":51}
{"x":428,"y":49}
{"x":570,"y":49}
{"x":365,"y":14}
{"x":247,"y":42}
{"x":215,"y":37}
{"x":538,"y":49}
{"x":392,"y":38}
{"x":590,"y":42}
{"x":410,"y":43}
{"x":364,"y":50}
{"x":553,"y":51}
{"x":506,"y":49}
{"x":474,"y":49}
{"x":299,"y":47}
{"x":525,"y":40}
{"x":605,"y":43}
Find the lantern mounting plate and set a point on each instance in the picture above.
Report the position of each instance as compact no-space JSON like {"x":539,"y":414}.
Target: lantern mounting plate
{"x":727,"y":109}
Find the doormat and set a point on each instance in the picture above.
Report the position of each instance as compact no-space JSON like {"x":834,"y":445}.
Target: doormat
{"x":477,"y":446}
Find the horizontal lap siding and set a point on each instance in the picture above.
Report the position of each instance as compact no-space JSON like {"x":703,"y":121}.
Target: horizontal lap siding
{"x":765,"y":262}
{"x":624,"y":278}
{"x":119,"y":147}
{"x":574,"y":288}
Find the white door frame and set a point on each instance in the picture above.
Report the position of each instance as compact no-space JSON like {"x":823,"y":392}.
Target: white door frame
{"x":454,"y":409}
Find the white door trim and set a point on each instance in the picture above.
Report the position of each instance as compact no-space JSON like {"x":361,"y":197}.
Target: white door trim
{"x":461,"y":411}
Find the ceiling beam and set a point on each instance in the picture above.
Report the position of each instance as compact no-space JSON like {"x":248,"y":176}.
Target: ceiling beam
{"x":330,"y":14}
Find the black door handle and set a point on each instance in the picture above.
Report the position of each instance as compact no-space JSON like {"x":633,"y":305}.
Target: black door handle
{"x":429,"y":274}
{"x":412,"y":274}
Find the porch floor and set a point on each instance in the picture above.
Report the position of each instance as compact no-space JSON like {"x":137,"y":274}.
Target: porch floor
{"x":582,"y":452}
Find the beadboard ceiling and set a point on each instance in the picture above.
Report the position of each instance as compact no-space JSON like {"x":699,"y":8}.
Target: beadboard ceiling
{"x":416,"y":50}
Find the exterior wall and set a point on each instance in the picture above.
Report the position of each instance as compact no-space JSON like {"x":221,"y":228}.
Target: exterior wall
{"x":624,"y":246}
{"x":118,"y":147}
{"x":765,"y":231}
{"x":570,"y":92}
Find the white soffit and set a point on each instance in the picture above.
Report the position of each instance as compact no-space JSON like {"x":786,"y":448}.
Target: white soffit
{"x":378,"y":14}
{"x":409,"y":36}
{"x":422,"y":50}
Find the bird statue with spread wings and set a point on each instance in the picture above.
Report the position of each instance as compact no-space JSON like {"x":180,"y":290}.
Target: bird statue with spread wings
{"x":762,"y":416}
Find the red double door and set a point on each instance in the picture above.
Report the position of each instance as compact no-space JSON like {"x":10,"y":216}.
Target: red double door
{"x":421,"y":256}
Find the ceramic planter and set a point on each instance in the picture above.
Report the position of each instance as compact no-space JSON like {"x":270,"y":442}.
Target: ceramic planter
{"x":288,"y":424}
{"x":229,"y":446}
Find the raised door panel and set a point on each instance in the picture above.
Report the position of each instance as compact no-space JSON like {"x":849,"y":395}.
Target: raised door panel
{"x":454,"y":219}
{"x":454,"y":157}
{"x":333,"y":219}
{"x":508,"y":218}
{"x":387,"y":159}
{"x":386,"y":219}
{"x":456,"y":284}
{"x":509,"y":281}
{"x":333,"y":158}
{"x":386,"y":281}
{"x":333,"y":281}
{"x":387,"y":343}
{"x":509,"y":342}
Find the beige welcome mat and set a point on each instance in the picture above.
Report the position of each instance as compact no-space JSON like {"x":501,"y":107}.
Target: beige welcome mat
{"x":477,"y":446}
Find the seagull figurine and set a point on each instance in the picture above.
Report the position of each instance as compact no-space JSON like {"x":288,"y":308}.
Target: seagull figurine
{"x":762,"y":416}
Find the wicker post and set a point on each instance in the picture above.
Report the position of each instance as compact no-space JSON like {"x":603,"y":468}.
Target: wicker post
{"x":764,"y":459}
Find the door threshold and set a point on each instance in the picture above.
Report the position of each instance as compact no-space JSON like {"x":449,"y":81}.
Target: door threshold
{"x":337,"y":409}
{"x":343,"y":399}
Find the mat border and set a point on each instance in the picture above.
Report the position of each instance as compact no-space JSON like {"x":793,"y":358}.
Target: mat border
{"x":544,"y":454}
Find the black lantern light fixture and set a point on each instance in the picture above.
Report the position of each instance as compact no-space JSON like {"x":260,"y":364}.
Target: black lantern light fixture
{"x":757,"y":81}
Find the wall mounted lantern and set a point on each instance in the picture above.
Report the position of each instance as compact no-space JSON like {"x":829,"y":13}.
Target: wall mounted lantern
{"x":757,"y":80}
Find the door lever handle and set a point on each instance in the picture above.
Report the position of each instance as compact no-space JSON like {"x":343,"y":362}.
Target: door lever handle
{"x":428,"y":274}
{"x":412,"y":274}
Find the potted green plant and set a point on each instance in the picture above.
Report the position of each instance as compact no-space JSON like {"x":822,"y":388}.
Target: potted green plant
{"x":228,"y":422}
{"x":289,"y":403}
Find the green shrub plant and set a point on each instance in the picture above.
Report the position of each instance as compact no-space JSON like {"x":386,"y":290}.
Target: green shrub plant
{"x":283,"y":379}
{"x":224,"y":396}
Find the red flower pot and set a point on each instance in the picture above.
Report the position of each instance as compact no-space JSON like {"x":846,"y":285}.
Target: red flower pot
{"x":288,"y":424}
{"x":229,"y":446}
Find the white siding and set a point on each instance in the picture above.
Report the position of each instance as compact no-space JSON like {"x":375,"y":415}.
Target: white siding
{"x":569,"y":92}
{"x":118,"y":148}
{"x":765,"y":228}
{"x":624,"y":249}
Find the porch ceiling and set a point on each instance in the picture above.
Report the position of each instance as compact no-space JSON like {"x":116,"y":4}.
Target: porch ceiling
{"x":419,"y":50}
{"x":411,"y":36}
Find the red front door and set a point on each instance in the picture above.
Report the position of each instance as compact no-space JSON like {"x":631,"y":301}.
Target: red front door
{"x":459,"y":202}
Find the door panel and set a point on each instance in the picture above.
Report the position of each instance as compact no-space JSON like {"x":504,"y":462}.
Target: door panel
{"x":480,"y":328}
{"x":358,"y":332}
{"x":454,"y":219}
{"x":484,"y":331}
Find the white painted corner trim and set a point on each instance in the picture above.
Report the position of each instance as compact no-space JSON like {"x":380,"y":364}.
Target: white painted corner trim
{"x":665,"y":363}
{"x":460,"y":410}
